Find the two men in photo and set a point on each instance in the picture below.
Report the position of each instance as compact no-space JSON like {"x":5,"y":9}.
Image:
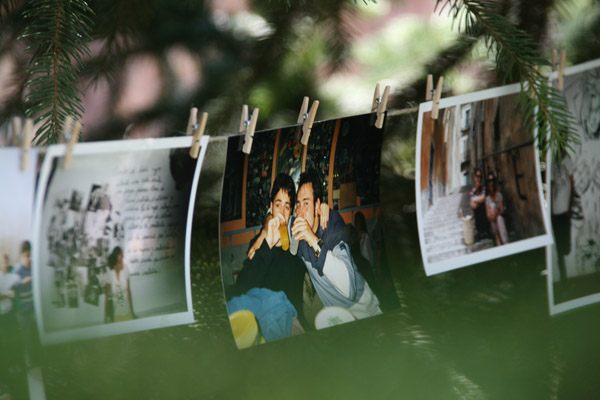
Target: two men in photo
{"x":323,"y":250}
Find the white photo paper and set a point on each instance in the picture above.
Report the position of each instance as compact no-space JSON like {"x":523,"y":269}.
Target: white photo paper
{"x":113,"y":231}
{"x":478,"y":188}
{"x":573,"y":263}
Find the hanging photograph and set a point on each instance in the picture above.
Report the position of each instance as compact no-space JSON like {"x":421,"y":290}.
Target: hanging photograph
{"x":573,"y":262}
{"x":16,"y":211}
{"x":477,"y":184}
{"x":17,"y":318}
{"x":112,"y":232}
{"x":301,"y":240}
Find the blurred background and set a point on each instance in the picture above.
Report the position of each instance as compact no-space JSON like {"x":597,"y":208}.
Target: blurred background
{"x":150,"y":61}
{"x":481,"y":332}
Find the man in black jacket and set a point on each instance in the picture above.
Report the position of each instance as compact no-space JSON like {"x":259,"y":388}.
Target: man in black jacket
{"x":272,"y":266}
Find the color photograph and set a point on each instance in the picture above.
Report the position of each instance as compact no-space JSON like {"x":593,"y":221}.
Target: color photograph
{"x":574,"y":261}
{"x":301,"y":234}
{"x":478,"y":181}
{"x":18,"y":338}
{"x":112,"y":231}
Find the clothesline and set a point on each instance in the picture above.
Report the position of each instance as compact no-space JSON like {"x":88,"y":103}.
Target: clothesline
{"x":226,"y":136}
{"x":390,"y":113}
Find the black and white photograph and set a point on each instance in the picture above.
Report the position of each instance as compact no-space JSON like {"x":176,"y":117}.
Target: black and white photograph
{"x":112,"y":231}
{"x":574,"y":196}
{"x":478,"y":187}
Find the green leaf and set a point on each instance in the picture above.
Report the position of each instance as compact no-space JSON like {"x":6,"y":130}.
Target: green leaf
{"x":517,"y":59}
{"x":57,"y":36}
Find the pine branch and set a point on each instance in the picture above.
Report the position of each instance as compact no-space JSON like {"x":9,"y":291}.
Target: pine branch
{"x":336,"y":19}
{"x":583,"y":44}
{"x":444,"y":61}
{"x":7,"y":7}
{"x":517,"y":59}
{"x":57,"y":33}
{"x":119,"y":26}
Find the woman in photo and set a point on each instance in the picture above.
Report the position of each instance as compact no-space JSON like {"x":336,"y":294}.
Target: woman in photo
{"x":477,"y":203}
{"x":119,"y":306}
{"x":494,"y":209}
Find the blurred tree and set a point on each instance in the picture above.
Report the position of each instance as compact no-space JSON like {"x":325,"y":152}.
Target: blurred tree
{"x":61,"y":53}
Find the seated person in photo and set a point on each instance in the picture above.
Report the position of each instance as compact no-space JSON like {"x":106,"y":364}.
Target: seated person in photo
{"x":477,"y":203}
{"x":8,"y":281}
{"x":494,"y":209}
{"x":23,"y":290}
{"x":326,"y":253}
{"x":24,"y":305}
{"x":275,"y":315}
{"x":361,"y":249}
{"x":364,"y":240}
{"x":119,"y":306}
{"x":272,"y":266}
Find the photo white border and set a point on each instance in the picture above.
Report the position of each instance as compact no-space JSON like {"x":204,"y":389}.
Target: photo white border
{"x":25,"y":177}
{"x":494,"y":252}
{"x":558,"y":308}
{"x":575,"y":69}
{"x":264,"y":131}
{"x":115,"y":328}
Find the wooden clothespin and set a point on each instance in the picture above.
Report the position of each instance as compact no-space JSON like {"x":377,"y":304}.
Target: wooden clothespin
{"x":26,"y":143}
{"x":197,"y":135}
{"x":71,"y":132}
{"x":379,"y":104}
{"x":303,"y":110}
{"x":16,"y":127}
{"x":435,"y":97}
{"x":247,"y":128}
{"x":558,"y":62}
{"x":429,"y":88}
{"x":307,"y":118}
{"x":128,"y":129}
{"x":192,"y":120}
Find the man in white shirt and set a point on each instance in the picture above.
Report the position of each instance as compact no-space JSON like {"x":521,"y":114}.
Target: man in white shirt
{"x":326,"y":253}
